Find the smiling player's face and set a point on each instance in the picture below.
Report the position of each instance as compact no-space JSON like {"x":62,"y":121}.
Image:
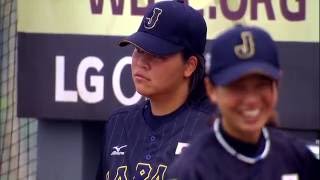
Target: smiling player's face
{"x":154,"y":75}
{"x":245,"y":105}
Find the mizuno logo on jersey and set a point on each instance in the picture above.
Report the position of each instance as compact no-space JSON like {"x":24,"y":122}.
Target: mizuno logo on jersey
{"x":117,"y":150}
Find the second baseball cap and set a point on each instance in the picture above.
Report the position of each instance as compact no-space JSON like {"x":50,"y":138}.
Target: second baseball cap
{"x":240,"y":51}
{"x":169,"y":27}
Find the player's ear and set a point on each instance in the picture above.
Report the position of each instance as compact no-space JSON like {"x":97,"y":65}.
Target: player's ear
{"x":275,"y":91}
{"x":190,"y":66}
{"x":211,"y":90}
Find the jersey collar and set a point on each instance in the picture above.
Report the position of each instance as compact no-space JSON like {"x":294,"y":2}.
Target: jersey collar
{"x":233,"y":152}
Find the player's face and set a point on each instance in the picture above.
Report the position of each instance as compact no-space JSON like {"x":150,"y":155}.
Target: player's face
{"x":153,"y":75}
{"x":246,"y":105}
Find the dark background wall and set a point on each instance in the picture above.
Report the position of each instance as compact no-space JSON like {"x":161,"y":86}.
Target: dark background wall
{"x":68,"y":150}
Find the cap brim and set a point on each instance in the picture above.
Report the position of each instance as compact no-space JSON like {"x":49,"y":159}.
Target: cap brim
{"x":151,"y":44}
{"x":236,"y":72}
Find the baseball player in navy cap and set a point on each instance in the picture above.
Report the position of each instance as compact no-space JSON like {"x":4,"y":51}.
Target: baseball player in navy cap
{"x":167,"y":68}
{"x":243,"y":73}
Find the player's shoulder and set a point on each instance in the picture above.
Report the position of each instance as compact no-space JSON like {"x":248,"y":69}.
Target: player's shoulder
{"x":128,"y":109}
{"x":280,"y":137}
{"x":126,"y":112}
{"x":295,"y":151}
{"x":202,"y":143}
{"x":124,"y":117}
{"x":289,"y":144}
{"x":204,"y":106}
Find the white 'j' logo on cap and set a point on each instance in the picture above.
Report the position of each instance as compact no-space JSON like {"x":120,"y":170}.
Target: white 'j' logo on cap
{"x":152,"y":21}
{"x":246,"y":49}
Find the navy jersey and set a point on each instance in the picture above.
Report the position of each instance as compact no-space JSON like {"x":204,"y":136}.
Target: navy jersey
{"x":139,"y":145}
{"x":206,"y":159}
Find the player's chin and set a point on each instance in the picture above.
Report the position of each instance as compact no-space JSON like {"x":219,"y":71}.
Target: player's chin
{"x":254,"y":128}
{"x":143,"y":91}
{"x":254,"y":124}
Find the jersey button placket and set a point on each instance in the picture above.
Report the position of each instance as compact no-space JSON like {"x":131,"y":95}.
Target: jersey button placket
{"x":148,"y":157}
{"x":152,"y":138}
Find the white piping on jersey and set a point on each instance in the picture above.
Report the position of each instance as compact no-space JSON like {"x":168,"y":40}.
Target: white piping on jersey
{"x":238,"y":155}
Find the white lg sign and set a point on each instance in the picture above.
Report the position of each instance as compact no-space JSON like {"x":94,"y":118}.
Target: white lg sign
{"x":116,"y":83}
{"x":97,"y":81}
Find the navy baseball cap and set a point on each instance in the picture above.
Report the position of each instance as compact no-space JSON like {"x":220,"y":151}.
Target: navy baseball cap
{"x":169,"y":27}
{"x":240,"y":51}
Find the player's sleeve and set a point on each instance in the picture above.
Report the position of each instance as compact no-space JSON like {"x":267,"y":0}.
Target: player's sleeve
{"x":306,"y":161}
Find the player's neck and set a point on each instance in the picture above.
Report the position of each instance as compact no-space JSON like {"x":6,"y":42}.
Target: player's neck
{"x":166,"y":103}
{"x":247,"y":137}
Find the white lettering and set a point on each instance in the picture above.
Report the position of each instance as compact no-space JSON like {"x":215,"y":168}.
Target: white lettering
{"x":61,"y":94}
{"x":95,"y":81}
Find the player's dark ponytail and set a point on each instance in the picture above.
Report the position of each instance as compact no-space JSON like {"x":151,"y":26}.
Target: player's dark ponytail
{"x":197,"y":91}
